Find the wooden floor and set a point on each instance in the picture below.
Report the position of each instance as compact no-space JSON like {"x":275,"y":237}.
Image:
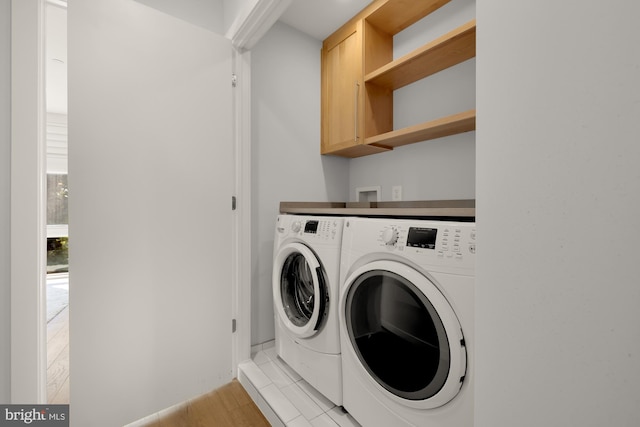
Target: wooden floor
{"x":228,"y":406}
{"x":58,"y":358}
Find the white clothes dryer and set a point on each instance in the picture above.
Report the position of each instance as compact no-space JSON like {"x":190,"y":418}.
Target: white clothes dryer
{"x":406,"y":321}
{"x":305,"y":294}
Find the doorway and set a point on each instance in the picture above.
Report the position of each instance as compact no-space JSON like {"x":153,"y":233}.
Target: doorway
{"x":57,"y":206}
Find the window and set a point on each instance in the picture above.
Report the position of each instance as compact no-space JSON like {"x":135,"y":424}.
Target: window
{"x":57,"y":223}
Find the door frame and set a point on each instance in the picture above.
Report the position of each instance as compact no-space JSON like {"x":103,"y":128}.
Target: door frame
{"x":241,"y":223}
{"x":28,"y":205}
{"x":28,"y":214}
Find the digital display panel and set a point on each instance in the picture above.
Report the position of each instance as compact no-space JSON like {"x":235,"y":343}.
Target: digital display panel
{"x":422,"y":237}
{"x":311,"y":227}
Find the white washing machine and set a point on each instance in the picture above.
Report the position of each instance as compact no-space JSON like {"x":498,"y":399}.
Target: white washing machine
{"x":406,"y":321}
{"x":305,"y":293}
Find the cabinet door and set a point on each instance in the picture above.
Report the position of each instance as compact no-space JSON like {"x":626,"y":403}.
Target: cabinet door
{"x":342,"y":91}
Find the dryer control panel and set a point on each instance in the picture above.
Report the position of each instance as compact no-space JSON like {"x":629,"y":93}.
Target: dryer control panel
{"x":427,"y":239}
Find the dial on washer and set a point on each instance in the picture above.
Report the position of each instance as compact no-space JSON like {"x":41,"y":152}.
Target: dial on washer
{"x":390,"y":236}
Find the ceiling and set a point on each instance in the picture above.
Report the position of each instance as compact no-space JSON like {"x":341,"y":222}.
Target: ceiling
{"x":320,"y":18}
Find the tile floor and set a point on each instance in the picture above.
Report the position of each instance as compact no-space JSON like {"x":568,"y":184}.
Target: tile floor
{"x":284,"y":397}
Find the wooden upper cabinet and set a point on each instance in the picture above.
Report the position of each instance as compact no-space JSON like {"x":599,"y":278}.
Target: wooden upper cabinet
{"x":359,"y":76}
{"x":343,"y":94}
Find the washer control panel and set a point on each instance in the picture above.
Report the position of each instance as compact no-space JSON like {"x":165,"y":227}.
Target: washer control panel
{"x":313,"y":228}
{"x":326,"y":229}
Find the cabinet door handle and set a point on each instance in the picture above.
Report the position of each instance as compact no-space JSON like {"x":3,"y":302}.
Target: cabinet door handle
{"x":355,"y":119}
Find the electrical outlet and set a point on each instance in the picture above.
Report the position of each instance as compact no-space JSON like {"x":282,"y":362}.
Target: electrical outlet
{"x":396,"y":193}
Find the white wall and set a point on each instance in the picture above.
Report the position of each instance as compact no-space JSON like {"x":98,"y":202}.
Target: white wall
{"x":286,"y":165}
{"x":558,"y":193}
{"x":443,"y":168}
{"x":5,"y":200}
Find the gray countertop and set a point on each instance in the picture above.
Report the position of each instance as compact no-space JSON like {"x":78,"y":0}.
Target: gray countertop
{"x":421,"y":208}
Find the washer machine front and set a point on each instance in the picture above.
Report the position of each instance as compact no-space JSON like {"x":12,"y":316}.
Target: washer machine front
{"x":305,"y":294}
{"x":406,"y":321}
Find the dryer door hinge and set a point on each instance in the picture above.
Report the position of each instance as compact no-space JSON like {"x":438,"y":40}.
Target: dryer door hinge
{"x":233,"y":325}
{"x":234,"y":80}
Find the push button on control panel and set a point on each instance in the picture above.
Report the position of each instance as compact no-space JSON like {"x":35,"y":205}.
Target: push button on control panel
{"x":472,"y":243}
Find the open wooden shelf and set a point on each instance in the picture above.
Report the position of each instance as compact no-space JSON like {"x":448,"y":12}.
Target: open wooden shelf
{"x":359,"y":150}
{"x":444,"y":52}
{"x":359,"y":77}
{"x":394,"y":16}
{"x":445,"y":126}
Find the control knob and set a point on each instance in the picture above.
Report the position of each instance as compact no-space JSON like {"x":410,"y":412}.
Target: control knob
{"x":390,"y":236}
{"x":296,"y":226}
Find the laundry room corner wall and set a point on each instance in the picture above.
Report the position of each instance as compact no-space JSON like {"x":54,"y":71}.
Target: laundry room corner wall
{"x":5,"y":200}
{"x":286,"y":160}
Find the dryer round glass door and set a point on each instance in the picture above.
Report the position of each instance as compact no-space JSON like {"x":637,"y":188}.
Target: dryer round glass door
{"x":405,"y":334}
{"x":299,"y":289}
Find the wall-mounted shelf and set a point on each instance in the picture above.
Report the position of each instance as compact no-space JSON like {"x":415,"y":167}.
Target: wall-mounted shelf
{"x":444,"y":52}
{"x":360,"y":75}
{"x":393,"y":16}
{"x":445,"y":126}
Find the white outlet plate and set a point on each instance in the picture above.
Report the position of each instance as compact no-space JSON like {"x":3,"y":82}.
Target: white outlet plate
{"x":396,"y":193}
